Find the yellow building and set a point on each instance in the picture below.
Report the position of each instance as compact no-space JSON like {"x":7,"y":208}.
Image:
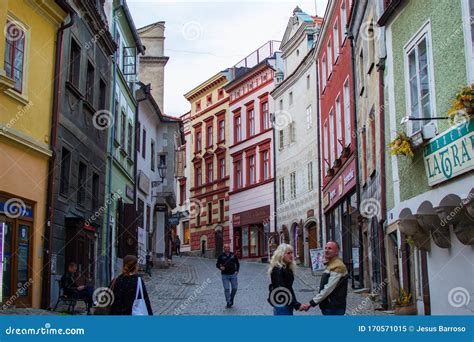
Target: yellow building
{"x":209,"y":159}
{"x":27,"y":60}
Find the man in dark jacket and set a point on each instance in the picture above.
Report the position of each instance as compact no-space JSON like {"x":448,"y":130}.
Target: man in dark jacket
{"x":229,"y":265}
{"x":72,"y":289}
{"x":333,"y":287}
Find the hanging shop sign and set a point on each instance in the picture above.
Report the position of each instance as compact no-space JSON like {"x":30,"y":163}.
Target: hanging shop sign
{"x":450,"y":154}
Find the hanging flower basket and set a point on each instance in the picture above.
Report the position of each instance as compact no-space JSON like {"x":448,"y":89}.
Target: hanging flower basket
{"x":401,"y":145}
{"x":464,"y":102}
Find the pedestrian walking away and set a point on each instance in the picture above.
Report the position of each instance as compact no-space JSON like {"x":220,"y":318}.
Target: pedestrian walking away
{"x":149,"y":263}
{"x":281,"y":295}
{"x":72,"y":289}
{"x":332,"y":296}
{"x":229,"y":265}
{"x":130,"y":294}
{"x":177,"y":243}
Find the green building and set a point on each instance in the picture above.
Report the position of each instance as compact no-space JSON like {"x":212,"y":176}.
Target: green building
{"x":430,"y":208}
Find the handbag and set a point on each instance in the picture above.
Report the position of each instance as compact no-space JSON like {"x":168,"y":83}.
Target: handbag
{"x":139,"y":306}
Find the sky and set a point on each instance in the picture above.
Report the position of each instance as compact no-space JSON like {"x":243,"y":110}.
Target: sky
{"x":203,"y":38}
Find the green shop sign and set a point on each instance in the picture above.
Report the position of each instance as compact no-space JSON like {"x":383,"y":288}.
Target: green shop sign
{"x":450,"y":154}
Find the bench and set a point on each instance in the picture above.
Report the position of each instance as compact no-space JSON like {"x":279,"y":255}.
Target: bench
{"x":71,"y":302}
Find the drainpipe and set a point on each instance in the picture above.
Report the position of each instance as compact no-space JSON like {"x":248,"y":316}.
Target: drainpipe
{"x":47,"y":247}
{"x":356,"y":155}
{"x":110,"y":154}
{"x":275,"y":212}
{"x":318,"y":115}
{"x":381,"y":69}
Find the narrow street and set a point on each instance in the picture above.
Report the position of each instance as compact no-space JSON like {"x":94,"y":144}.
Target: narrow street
{"x":193,"y":286}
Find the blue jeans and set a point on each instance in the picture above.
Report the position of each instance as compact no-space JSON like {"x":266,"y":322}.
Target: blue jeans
{"x":283,"y":311}
{"x":229,"y":281}
{"x":333,"y":312}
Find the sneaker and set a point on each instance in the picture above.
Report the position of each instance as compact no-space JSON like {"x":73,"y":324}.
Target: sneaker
{"x":228,"y":306}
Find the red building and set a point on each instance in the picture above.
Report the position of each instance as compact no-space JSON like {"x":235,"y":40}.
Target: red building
{"x":337,"y":138}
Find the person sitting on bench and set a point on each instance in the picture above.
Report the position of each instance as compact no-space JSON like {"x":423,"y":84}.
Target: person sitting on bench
{"x":72,"y":289}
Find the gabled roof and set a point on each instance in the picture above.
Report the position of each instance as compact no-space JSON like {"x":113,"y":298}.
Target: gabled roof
{"x":299,"y":16}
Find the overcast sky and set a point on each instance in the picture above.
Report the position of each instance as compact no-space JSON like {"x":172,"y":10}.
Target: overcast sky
{"x":203,"y":38}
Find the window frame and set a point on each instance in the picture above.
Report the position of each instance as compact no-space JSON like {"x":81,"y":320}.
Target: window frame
{"x":14,"y":43}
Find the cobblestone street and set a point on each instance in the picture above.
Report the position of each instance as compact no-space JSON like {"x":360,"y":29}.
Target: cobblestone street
{"x":193,"y":286}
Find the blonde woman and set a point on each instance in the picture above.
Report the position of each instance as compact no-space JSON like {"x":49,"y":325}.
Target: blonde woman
{"x":281,"y":271}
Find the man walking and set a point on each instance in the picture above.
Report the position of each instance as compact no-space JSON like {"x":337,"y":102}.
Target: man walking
{"x":177,"y":243}
{"x":333,"y":287}
{"x":229,"y":265}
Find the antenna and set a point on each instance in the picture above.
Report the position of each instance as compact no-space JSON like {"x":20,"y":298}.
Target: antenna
{"x":316,"y":7}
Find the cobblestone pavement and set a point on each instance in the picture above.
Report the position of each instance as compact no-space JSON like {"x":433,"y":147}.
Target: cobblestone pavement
{"x":193,"y":286}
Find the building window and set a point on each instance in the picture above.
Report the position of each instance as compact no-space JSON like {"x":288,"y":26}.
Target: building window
{"x":209,"y":100}
{"x":365,"y":154}
{"x":141,"y":212}
{"x":281,"y":190}
{"x":95,"y":191}
{"x":74,"y":63}
{"x":209,"y":136}
{"x":186,"y":233}
{"x":123,"y":130}
{"x":162,"y":159}
{"x":326,"y":147}
{"x":15,"y":54}
{"x":372,"y":139}
{"x":343,"y":17}
{"x":293,"y":185}
{"x":152,"y":154}
{"x":198,"y":217}
{"x":182,"y":193}
{"x":338,"y":126}
{"x":130,"y":140}
{"x":81,"y":183}
{"x":148,"y":218}
{"x":139,"y":129}
{"x":371,"y":42}
{"x":309,"y":117}
{"x":265,"y":116}
{"x":419,"y":78}
{"x":361,"y":73}
{"x":238,"y":174}
{"x":102,"y":94}
{"x":308,"y":82}
{"x":281,"y":140}
{"x":251,"y":170}
{"x":144,"y":144}
{"x":221,"y":168}
{"x":336,"y":40}
{"x":291,"y":98}
{"x":292,"y":132}
{"x":347,"y":115}
{"x":221,"y":210}
{"x":237,"y":128}
{"x":251,"y":122}
{"x":221,"y":130}
{"x":210,"y":171}
{"x":65,"y":171}
{"x":332,"y":147}
{"x":265,"y":164}
{"x":116,"y":120}
{"x":198,"y":106}
{"x":220,"y":94}
{"x":198,"y":142}
{"x":323,"y":72}
{"x":209,"y":213}
{"x":310,"y":176}
{"x":330,"y":59}
{"x":90,"y":83}
{"x":197,"y":175}
{"x":281,"y":104}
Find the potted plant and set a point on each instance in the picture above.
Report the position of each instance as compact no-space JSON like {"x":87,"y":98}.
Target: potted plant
{"x":404,"y":305}
{"x":330,"y":172}
{"x":346,"y":151}
{"x":464,"y":102}
{"x":401,"y":145}
{"x":337,"y":162}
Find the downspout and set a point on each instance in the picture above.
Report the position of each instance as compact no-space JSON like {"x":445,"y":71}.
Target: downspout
{"x":356,"y":154}
{"x":47,"y":249}
{"x":110,"y":157}
{"x":318,"y":115}
{"x":275,"y":211}
{"x":381,"y":69}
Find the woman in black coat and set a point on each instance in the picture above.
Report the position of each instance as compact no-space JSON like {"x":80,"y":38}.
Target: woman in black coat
{"x":124,"y":288}
{"x":282,"y":297}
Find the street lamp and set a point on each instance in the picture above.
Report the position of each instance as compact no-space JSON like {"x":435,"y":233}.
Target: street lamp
{"x":162,"y":172}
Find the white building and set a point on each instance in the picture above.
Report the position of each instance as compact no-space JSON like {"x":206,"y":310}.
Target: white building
{"x":295,"y":122}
